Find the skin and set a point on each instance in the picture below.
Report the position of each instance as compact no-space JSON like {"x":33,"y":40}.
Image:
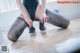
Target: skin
{"x":39,"y":14}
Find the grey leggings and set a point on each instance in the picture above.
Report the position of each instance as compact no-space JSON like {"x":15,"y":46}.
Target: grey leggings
{"x":19,"y":25}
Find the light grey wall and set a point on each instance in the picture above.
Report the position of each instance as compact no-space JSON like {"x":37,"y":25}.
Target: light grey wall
{"x":7,"y":18}
{"x":68,"y":10}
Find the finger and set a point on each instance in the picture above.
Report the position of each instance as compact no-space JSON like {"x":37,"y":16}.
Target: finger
{"x":31,"y":23}
{"x":46,"y":19}
{"x":40,"y":20}
{"x":28,"y":24}
{"x":43,"y":20}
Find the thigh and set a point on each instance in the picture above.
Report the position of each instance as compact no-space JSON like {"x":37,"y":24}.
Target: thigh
{"x":17,"y":28}
{"x":57,"y":19}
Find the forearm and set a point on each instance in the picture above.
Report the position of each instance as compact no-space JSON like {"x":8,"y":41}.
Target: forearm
{"x":40,"y":11}
{"x":43,"y":5}
{"x":23,"y":9}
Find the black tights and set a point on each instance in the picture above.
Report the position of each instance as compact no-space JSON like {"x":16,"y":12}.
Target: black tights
{"x":19,"y":25}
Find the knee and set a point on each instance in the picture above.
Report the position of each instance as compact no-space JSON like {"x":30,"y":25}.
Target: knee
{"x":12,"y":37}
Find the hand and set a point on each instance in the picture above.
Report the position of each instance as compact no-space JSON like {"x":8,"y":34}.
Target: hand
{"x":45,"y":17}
{"x":29,"y":22}
{"x":42,"y":17}
{"x":40,"y":14}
